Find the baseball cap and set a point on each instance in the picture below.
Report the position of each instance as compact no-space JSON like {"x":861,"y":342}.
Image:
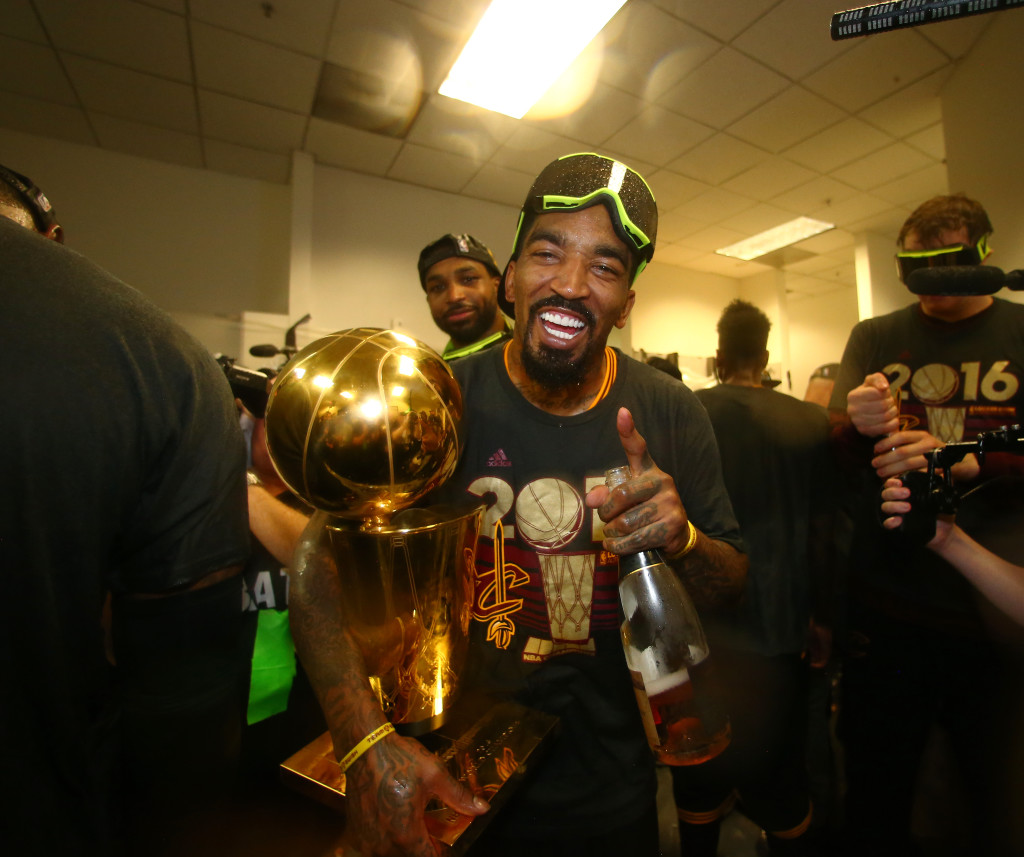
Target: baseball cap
{"x":577,"y":181}
{"x":34,"y":199}
{"x":451,"y":245}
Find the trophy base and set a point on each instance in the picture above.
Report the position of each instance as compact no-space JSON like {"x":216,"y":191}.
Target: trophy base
{"x":490,"y":752}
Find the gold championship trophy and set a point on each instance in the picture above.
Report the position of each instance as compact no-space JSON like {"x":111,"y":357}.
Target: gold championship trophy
{"x":362,"y":424}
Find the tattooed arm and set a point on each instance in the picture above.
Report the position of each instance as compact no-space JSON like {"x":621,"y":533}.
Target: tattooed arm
{"x":388,"y":787}
{"x":646,"y":513}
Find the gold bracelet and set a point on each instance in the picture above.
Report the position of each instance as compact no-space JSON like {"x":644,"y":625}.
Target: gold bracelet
{"x":690,"y":542}
{"x":364,"y":745}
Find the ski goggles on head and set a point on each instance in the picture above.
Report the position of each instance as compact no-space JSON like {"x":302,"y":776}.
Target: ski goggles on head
{"x":958,"y":254}
{"x":579,"y":181}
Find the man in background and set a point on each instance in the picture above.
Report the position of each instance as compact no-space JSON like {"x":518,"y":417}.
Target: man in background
{"x":774,"y":451}
{"x":461,"y":280}
{"x":24,"y":203}
{"x":123,"y":485}
{"x":919,"y":655}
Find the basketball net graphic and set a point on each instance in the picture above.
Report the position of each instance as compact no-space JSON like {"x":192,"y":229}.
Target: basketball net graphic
{"x":933,"y":385}
{"x":549,"y":514}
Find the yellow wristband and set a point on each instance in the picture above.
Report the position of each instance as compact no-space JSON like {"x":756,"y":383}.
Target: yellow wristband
{"x":364,"y":745}
{"x":690,"y":542}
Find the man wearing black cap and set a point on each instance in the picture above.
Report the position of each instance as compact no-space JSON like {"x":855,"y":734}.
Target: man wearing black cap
{"x":461,"y":280}
{"x":24,"y":203}
{"x":546,"y":415}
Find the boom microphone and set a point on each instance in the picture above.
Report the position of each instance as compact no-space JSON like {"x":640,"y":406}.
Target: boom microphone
{"x":265,"y":351}
{"x":883,"y":17}
{"x":963,"y":280}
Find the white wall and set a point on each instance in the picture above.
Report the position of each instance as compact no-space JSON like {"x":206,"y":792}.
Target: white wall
{"x":193,"y":241}
{"x":818,"y":330}
{"x":983,"y":132}
{"x":367,"y":236}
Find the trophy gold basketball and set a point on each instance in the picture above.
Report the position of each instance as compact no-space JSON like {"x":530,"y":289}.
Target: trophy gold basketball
{"x":363,"y":424}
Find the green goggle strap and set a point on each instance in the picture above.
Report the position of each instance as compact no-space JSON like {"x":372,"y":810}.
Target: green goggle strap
{"x":982,"y":248}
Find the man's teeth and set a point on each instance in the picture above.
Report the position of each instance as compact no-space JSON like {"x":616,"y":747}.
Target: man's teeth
{"x":556,"y":318}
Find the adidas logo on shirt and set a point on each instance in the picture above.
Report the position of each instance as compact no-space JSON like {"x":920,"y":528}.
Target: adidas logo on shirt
{"x":499,"y":459}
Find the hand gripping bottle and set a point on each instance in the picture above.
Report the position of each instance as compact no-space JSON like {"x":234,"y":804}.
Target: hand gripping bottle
{"x":668,"y":658}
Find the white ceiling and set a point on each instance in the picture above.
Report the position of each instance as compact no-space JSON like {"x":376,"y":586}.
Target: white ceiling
{"x":740,"y":113}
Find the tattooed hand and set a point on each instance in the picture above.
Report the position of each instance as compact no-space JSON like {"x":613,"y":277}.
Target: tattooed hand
{"x":646,"y":511}
{"x":387,"y":790}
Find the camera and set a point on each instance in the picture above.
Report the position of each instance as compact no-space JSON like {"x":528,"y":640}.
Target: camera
{"x":248,"y":385}
{"x":932,"y":491}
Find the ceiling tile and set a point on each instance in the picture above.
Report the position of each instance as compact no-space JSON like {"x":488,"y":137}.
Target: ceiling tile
{"x":450,"y":125}
{"x":710,"y":238}
{"x":875,"y":67}
{"x":956,"y":38}
{"x":726,"y":266}
{"x":911,"y":190}
{"x":911,"y":109}
{"x":390,"y":41}
{"x":769,"y":179}
{"x":818,"y":192}
{"x":671,"y":189}
{"x":301,"y":25}
{"x":530,"y":149}
{"x":724,"y":19}
{"x":715,"y":206}
{"x":245,"y":123}
{"x":674,"y":254}
{"x":19,"y":20}
{"x":758,"y":219}
{"x":658,"y":135}
{"x":646,"y":50}
{"x":931,"y":141}
{"x":726,"y":87}
{"x":146,"y":141}
{"x":838,"y":145}
{"x":350,"y":148}
{"x":827,"y":242}
{"x":133,"y":95}
{"x":791,"y":116}
{"x":237,"y":65}
{"x":499,"y":184}
{"x":844,"y":212}
{"x":45,"y":119}
{"x":121,"y":33}
{"x":605,"y":111}
{"x":430,"y":168}
{"x":674,"y":226}
{"x":247,"y":162}
{"x":793,"y":38}
{"x":883,"y":166}
{"x":46,"y":79}
{"x":718,"y":158}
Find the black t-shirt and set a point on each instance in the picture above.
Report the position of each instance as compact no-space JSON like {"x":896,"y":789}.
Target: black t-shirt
{"x":954,"y":379}
{"x":122,"y":471}
{"x":776,"y":467}
{"x":552,"y":639}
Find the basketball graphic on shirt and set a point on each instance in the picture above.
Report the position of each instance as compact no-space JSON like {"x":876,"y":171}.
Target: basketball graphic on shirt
{"x":549,"y":514}
{"x":934,"y":384}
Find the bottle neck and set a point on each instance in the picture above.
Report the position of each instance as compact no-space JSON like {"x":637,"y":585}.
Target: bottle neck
{"x":628,"y":563}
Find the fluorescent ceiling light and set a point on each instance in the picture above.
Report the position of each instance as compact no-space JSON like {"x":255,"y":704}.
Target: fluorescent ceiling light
{"x":773,"y":239}
{"x":520,"y":48}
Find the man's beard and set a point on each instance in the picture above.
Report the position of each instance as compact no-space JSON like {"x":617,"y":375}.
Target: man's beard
{"x":550,"y":367}
{"x":471,"y":331}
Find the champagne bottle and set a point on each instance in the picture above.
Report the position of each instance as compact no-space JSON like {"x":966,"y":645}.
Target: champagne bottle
{"x":668,"y":658}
